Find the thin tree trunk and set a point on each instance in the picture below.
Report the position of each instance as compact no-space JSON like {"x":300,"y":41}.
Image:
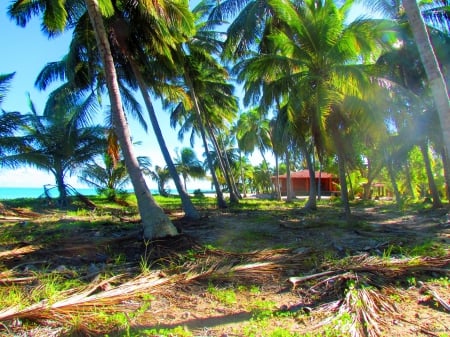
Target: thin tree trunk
{"x":220,"y":199}
{"x":343,"y":183}
{"x":311,"y":203}
{"x":189,"y":210}
{"x":289,"y":192}
{"x":391,"y":172}
{"x":431,"y":183}
{"x":431,"y":65}
{"x":155,"y":222}
{"x":277,"y":168}
{"x":241,"y":169}
{"x":409,"y":180}
{"x":233,"y":197}
{"x":446,"y":165}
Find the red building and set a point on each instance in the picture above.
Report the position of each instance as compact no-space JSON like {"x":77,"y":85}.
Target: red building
{"x":300,"y":183}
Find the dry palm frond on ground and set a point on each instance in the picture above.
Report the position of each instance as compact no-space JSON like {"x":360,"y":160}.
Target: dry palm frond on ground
{"x":365,"y":306}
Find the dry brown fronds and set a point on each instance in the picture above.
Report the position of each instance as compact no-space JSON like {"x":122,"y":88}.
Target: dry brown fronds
{"x":361,"y":313}
{"x":81,"y":302}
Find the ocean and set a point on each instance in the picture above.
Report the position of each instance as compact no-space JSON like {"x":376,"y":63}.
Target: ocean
{"x":35,"y":192}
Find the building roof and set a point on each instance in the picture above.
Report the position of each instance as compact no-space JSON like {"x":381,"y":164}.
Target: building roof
{"x":304,"y":174}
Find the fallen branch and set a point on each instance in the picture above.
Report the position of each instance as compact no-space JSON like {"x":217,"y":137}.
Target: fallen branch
{"x":425,"y":289}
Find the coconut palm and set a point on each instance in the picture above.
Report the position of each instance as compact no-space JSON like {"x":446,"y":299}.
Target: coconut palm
{"x":161,"y":176}
{"x":136,"y":45}
{"x":110,"y":178}
{"x":314,"y":57}
{"x":188,"y":165}
{"x":210,"y":103}
{"x":58,"y":15}
{"x":57,"y":145}
{"x":253,"y":131}
{"x":427,"y":54}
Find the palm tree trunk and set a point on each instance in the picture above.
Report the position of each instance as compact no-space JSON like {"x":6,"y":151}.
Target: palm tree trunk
{"x":277,"y":169}
{"x":241,"y":169}
{"x":446,"y":165}
{"x":311,"y":204}
{"x":221,"y":203}
{"x":220,"y":199}
{"x":155,"y":222}
{"x":409,"y":184}
{"x":62,"y":199}
{"x":431,"y":65}
{"x":188,"y":207}
{"x":431,"y":183}
{"x":391,"y":172}
{"x":289,"y":192}
{"x":343,"y":183}
{"x":233,"y":197}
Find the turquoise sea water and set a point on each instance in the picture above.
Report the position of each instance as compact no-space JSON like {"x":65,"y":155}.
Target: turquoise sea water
{"x":35,"y":192}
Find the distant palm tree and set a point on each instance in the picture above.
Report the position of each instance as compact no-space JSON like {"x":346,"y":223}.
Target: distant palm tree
{"x":111,"y":178}
{"x":55,"y":144}
{"x":161,"y":176}
{"x":188,"y":165}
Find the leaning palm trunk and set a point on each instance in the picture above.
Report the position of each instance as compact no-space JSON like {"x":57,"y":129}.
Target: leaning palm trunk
{"x":188,"y":207}
{"x":155,"y":222}
{"x":220,"y":199}
{"x":233,"y":197}
{"x":431,"y":65}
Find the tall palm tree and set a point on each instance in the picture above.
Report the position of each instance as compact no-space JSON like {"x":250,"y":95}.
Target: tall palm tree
{"x":137,"y":45}
{"x":56,"y":16}
{"x":210,"y":103}
{"x":55,"y":144}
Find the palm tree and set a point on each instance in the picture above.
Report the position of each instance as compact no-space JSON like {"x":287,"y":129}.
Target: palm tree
{"x":253,"y":131}
{"x":112,"y":177}
{"x":56,"y":17}
{"x":188,"y":165}
{"x":161,"y":176}
{"x":137,"y":45}
{"x":55,"y":144}
{"x":435,"y":78}
{"x":210,"y":103}
{"x":312,"y":56}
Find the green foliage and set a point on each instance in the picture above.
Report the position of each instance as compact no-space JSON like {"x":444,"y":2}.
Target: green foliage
{"x":163,"y":332}
{"x":224,"y":296}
